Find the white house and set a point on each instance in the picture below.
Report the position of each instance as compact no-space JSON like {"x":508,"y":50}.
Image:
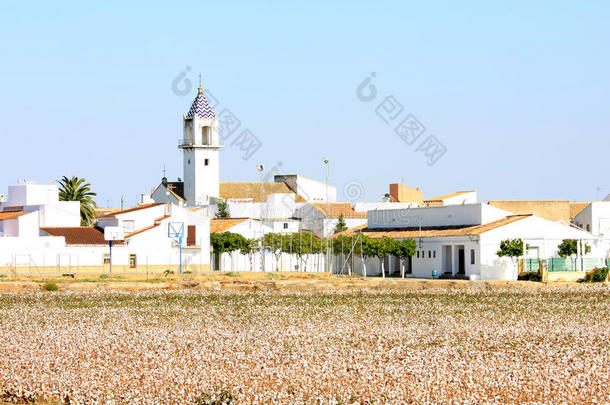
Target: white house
{"x":322,"y":218}
{"x":462,"y":240}
{"x":44,"y":200}
{"x":595,"y":218}
{"x":41,"y":235}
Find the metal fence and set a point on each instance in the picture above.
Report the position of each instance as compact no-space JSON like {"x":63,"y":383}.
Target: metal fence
{"x":569,"y":264}
{"x":67,"y":265}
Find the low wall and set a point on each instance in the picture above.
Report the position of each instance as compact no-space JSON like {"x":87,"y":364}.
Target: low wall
{"x":53,"y":271}
{"x":566,"y":275}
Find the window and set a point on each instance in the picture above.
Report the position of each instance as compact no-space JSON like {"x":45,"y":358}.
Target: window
{"x":588,"y":228}
{"x":429,"y":254}
{"x":191,"y":235}
{"x":418,"y":254}
{"x":434,"y":254}
{"x":132,"y":261}
{"x":471,"y":256}
{"x":128,"y":226}
{"x":106,"y":258}
{"x":206,"y":162}
{"x":189,"y":161}
{"x":285,"y":225}
{"x":205,"y":136}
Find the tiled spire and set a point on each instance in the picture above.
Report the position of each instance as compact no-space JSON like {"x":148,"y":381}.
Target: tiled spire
{"x":201,"y":107}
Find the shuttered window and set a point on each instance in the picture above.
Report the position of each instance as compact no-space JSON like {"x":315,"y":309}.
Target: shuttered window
{"x":191,"y":236}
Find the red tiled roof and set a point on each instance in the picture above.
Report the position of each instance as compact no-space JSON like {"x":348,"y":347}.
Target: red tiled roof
{"x":140,"y":207}
{"x":434,"y":231}
{"x":220,"y":225}
{"x":336,"y":209}
{"x":12,"y":214}
{"x":82,"y":235}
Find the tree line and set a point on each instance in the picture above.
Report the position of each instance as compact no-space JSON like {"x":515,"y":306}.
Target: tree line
{"x":304,"y":244}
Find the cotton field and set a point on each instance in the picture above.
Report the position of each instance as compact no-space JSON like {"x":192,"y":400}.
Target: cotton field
{"x":178,"y":347}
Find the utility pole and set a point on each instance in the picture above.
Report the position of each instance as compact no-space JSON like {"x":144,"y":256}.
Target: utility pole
{"x":325,"y":160}
{"x":260,"y":168}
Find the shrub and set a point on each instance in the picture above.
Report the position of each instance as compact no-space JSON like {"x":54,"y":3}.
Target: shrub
{"x":224,"y":397}
{"x":104,"y":276}
{"x":50,"y":287}
{"x":597,"y":275}
{"x":530,"y":276}
{"x":168,"y":272}
{"x":232,"y":274}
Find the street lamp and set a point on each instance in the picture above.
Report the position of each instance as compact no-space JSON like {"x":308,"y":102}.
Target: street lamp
{"x":326,"y":161}
{"x":260,"y":168}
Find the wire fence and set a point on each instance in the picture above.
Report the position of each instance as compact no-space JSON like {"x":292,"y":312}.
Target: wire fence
{"x":71,"y":265}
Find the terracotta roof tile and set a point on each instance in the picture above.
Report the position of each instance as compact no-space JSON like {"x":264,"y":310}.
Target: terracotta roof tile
{"x":243,"y":190}
{"x":337,"y":209}
{"x":434,"y":231}
{"x":5,"y":215}
{"x":220,"y":225}
{"x":79,"y":235}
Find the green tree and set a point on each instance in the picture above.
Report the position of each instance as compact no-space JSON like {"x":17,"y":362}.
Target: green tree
{"x":75,"y":189}
{"x":222,"y":212}
{"x":229,"y":242}
{"x":379,"y":248}
{"x":569,"y":247}
{"x":512,"y":248}
{"x":303,"y":244}
{"x":404,"y":248}
{"x":341,"y":225}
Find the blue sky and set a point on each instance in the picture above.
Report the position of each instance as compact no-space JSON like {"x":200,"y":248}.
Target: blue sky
{"x":517,"y":93}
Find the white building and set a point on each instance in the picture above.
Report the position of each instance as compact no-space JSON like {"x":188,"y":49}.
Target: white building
{"x":595,"y":218}
{"x":201,"y":145}
{"x":44,"y":200}
{"x":41,"y":235}
{"x":322,"y":218}
{"x":462,"y":240}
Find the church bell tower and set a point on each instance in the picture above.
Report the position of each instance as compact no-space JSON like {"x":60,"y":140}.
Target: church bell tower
{"x":201,"y":145}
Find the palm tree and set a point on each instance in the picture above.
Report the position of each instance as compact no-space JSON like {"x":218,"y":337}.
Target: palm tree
{"x":73,"y":189}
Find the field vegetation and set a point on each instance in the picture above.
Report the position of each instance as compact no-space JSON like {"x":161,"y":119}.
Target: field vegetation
{"x":472,"y":345}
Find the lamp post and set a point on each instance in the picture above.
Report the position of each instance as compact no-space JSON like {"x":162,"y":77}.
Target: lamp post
{"x":260,"y":168}
{"x":326,"y":161}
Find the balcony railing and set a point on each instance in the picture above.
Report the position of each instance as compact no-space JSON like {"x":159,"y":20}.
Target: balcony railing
{"x":186,"y":143}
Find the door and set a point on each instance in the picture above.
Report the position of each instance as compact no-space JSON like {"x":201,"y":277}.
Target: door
{"x":461,"y":263}
{"x":408,"y":265}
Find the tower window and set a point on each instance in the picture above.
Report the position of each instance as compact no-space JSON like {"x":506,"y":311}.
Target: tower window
{"x":206,"y":162}
{"x":189,"y":161}
{"x":205,"y":135}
